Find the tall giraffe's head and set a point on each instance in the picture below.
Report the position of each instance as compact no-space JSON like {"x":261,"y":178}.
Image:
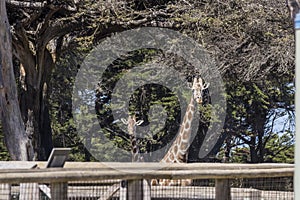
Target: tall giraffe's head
{"x":198,"y":87}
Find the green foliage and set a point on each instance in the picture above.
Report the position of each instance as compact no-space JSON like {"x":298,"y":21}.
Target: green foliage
{"x":280,"y":149}
{"x":254,"y":113}
{"x":141,"y":103}
{"x":62,"y":122}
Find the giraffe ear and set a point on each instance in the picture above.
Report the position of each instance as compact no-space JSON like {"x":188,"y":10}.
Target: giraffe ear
{"x":139,"y":122}
{"x":205,"y":86}
{"x":124,"y":121}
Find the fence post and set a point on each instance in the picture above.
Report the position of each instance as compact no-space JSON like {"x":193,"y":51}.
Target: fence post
{"x":222,"y":189}
{"x":59,"y":191}
{"x":136,"y":190}
{"x":123,"y":190}
{"x":297,"y":102}
{"x":29,"y":191}
{"x":5,"y":191}
{"x":146,"y":190}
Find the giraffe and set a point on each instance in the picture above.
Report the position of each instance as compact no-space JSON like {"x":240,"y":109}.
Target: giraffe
{"x":131,"y":126}
{"x":139,"y":189}
{"x":178,"y":152}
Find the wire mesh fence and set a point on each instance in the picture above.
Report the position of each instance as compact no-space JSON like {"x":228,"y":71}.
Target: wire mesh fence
{"x":82,"y":184}
{"x":241,"y":189}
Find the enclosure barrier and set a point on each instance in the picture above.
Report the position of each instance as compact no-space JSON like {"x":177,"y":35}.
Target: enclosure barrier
{"x":131,"y":181}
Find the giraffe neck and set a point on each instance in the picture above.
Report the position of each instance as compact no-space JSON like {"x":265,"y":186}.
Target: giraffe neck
{"x":134,"y":149}
{"x":179,"y":150}
{"x":133,"y":140}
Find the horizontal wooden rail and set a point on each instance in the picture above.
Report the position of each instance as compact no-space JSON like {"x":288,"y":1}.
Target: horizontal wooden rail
{"x":104,"y":171}
{"x":145,"y":165}
{"x":172,"y":166}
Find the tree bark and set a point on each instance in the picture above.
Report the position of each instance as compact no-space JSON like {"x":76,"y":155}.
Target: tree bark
{"x":253,"y":153}
{"x":16,"y":139}
{"x":34,"y":105}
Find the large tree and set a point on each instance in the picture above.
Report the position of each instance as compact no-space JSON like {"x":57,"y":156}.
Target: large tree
{"x":37,"y":36}
{"x":16,"y":139}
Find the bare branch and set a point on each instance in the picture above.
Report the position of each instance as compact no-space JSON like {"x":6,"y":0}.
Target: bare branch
{"x":57,"y":30}
{"x":43,"y":26}
{"x":22,"y":50}
{"x":26,"y":4}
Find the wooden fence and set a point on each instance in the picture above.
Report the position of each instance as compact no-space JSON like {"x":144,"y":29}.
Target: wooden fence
{"x":55,"y":182}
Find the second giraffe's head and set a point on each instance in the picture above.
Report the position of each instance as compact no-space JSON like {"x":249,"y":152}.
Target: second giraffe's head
{"x":132,"y":123}
{"x":198,"y":87}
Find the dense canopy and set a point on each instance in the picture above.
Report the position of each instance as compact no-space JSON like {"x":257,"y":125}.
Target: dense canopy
{"x":251,"y":41}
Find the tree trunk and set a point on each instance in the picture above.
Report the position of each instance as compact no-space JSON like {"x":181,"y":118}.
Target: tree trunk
{"x":35,"y":72}
{"x":260,"y":128}
{"x":17,"y":142}
{"x":34,"y":105}
{"x":253,"y":152}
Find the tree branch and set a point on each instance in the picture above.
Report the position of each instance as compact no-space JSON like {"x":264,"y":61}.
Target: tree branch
{"x":26,"y":4}
{"x":58,"y":29}
{"x":23,"y":52}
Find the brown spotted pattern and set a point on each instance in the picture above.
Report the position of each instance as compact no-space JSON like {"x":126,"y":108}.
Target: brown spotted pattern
{"x":178,"y":152}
